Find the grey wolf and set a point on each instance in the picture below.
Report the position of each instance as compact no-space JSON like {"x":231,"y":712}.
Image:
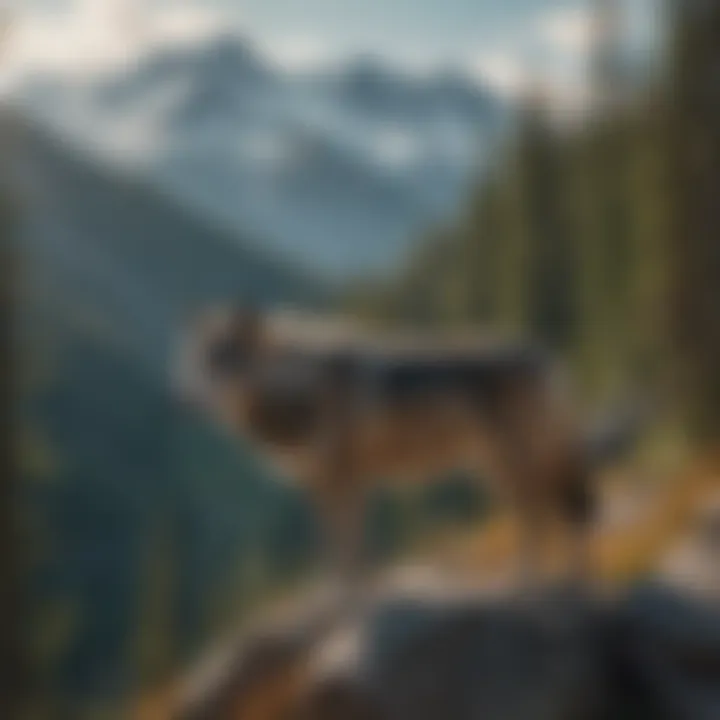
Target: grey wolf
{"x":339,"y":409}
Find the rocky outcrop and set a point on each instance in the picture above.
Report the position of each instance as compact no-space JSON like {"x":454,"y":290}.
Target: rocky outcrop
{"x":652,"y":653}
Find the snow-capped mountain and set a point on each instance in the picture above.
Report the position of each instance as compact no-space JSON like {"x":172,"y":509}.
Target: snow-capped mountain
{"x":339,"y":169}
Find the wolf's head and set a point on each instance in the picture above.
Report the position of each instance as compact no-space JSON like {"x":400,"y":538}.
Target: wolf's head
{"x":218,"y":357}
{"x":244,"y":377}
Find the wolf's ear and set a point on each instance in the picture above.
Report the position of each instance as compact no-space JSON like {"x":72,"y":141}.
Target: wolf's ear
{"x":233,"y":342}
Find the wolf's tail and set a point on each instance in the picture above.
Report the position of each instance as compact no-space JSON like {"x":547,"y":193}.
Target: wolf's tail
{"x":613,"y":436}
{"x":616,"y":434}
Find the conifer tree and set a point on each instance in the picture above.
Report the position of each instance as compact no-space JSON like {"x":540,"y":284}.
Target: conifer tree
{"x":695,"y":237}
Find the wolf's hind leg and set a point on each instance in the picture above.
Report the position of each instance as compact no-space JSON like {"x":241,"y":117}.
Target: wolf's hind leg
{"x":533,"y":533}
{"x":339,"y":488}
{"x":514,"y":474}
{"x":578,"y":508}
{"x":342,"y":519}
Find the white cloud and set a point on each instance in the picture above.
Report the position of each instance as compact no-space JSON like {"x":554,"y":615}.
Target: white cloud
{"x":502,"y":70}
{"x":90,"y":36}
{"x":551,"y":53}
{"x":187,"y":23}
{"x":299,"y":52}
{"x":571,"y":30}
{"x":87,"y":36}
{"x":93,"y":36}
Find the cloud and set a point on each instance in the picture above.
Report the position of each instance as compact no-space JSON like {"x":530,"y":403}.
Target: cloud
{"x":572,"y":31}
{"x":299,"y":52}
{"x":84,"y":37}
{"x":502,"y":70}
{"x":548,"y":55}
{"x":87,"y":36}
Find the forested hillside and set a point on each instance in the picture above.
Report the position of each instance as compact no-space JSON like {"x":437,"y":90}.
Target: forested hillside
{"x":599,"y":236}
{"x":140,"y":519}
{"x":145,"y":529}
{"x":337,"y":167}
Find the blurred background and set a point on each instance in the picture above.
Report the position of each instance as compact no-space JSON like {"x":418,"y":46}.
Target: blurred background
{"x":544,"y":166}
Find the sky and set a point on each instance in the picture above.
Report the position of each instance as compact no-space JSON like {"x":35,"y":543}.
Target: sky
{"x":499,"y":41}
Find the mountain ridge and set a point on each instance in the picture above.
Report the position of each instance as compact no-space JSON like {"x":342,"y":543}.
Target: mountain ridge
{"x":340,"y":168}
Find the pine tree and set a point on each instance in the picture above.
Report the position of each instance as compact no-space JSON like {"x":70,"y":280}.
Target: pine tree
{"x":10,"y":651}
{"x":695,"y":242}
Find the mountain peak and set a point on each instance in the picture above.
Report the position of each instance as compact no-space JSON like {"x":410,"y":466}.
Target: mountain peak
{"x":340,"y":169}
{"x":232,"y":55}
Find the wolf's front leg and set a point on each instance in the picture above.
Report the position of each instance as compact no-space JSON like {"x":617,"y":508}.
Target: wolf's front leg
{"x":515,"y":475}
{"x":341,"y":507}
{"x":338,"y":485}
{"x":578,"y":506}
{"x":532,"y":522}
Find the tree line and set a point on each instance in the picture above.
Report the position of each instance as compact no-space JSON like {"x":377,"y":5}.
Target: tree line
{"x":600,"y":237}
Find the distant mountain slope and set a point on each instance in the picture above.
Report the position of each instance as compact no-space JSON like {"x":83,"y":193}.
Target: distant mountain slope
{"x":148,"y":526}
{"x":137,"y":487}
{"x":137,"y":261}
{"x":339,"y":168}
